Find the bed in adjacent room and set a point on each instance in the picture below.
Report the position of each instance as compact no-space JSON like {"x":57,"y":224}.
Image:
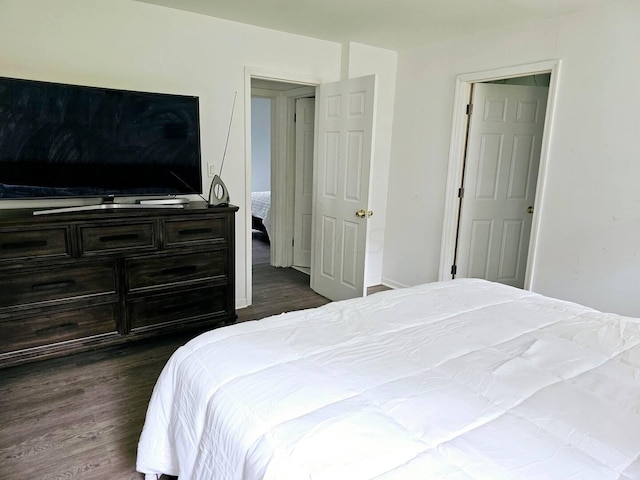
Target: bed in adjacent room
{"x":261,"y":212}
{"x":463,"y":380}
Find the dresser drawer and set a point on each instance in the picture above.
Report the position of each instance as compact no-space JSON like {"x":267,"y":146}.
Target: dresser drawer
{"x":200,"y":230}
{"x":45,"y":328}
{"x":95,"y":239}
{"x":178,"y":306}
{"x":21,"y":244}
{"x":61,"y":282}
{"x":165,"y":270}
{"x":81,"y":279}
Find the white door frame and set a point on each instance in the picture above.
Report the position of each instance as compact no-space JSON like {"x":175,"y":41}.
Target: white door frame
{"x":281,"y":157}
{"x":457,"y":151}
{"x":277,"y":175}
{"x":302,"y":204}
{"x":286,"y":167}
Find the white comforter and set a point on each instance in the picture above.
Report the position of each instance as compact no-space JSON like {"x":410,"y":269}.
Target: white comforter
{"x":260,"y":204}
{"x":261,"y":208}
{"x":454,"y":380}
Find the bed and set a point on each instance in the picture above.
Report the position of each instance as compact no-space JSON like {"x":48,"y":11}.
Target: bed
{"x":261,"y":212}
{"x":456,"y":380}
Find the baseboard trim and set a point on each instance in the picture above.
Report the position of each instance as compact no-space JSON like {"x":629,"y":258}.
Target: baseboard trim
{"x":393,"y":284}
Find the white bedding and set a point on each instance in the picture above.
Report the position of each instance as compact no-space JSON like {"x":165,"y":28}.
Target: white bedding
{"x":260,"y":204}
{"x":261,"y":208}
{"x":460,"y":380}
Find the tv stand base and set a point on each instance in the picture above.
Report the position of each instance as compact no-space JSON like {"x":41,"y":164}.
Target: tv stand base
{"x":165,"y":201}
{"x":105,"y":206}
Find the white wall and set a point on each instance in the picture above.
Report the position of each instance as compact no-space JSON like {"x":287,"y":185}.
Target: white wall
{"x":260,"y":144}
{"x":366,"y":60}
{"x":589,"y":243}
{"x":132,"y":45}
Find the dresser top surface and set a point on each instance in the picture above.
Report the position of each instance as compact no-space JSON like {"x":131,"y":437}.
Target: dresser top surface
{"x":29,"y":215}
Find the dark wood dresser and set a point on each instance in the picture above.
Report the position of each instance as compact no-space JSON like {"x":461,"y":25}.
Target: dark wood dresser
{"x":73,"y":281}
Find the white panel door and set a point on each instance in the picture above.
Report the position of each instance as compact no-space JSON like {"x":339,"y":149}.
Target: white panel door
{"x":305,"y":123}
{"x":344,"y":147}
{"x":501,"y":172}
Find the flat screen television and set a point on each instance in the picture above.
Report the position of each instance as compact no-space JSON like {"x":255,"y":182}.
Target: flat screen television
{"x":59,"y":140}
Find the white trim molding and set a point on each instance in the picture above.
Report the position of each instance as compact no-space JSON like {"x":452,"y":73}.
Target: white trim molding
{"x":276,"y":76}
{"x":456,"y":157}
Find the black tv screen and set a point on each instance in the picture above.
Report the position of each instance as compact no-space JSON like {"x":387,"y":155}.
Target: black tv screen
{"x":59,"y":140}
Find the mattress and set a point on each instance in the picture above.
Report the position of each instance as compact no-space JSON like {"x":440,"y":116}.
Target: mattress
{"x":460,"y":380}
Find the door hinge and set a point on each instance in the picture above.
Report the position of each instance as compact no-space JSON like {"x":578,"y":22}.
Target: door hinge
{"x":454,"y":269}
{"x":469,"y":108}
{"x":295,"y":117}
{"x":293,"y":242}
{"x":460,"y":192}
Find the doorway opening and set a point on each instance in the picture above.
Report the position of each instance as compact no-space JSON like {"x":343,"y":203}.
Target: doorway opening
{"x":496,"y":173}
{"x":345,"y":117}
{"x":261,"y":113}
{"x":275,"y":148}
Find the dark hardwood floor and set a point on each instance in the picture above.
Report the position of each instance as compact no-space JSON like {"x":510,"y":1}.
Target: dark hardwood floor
{"x":80,"y":416}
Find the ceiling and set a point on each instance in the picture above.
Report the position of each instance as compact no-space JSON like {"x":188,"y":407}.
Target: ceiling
{"x":393,"y":24}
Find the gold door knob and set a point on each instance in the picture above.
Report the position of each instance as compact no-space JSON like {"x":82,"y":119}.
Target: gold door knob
{"x":363,"y":213}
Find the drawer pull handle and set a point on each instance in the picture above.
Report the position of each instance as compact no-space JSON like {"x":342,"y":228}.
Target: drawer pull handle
{"x":57,"y":328}
{"x":119,"y":238}
{"x":195,"y":231}
{"x":179,"y":270}
{"x":40,"y":287}
{"x":23,"y":245}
